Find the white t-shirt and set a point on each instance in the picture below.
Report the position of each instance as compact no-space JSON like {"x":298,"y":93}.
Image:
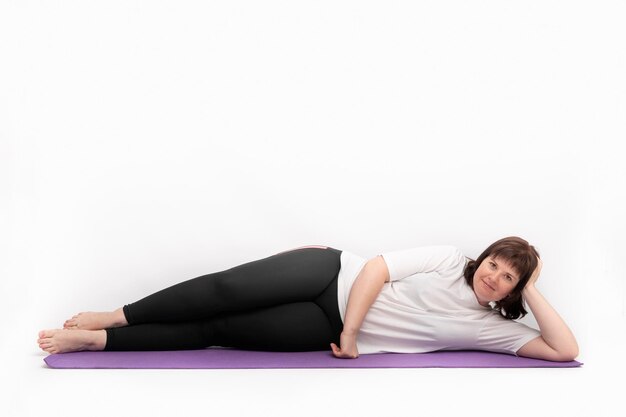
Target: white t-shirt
{"x":428,"y":306}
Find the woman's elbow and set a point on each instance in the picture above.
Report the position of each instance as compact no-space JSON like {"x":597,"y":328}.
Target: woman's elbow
{"x":568,"y":355}
{"x":568,"y":351}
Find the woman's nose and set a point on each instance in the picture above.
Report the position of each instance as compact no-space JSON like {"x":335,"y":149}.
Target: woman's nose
{"x":496,"y":278}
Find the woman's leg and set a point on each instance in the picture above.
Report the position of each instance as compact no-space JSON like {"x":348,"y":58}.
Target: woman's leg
{"x":295,"y":276}
{"x":300,"y":326}
{"x":285,"y":302}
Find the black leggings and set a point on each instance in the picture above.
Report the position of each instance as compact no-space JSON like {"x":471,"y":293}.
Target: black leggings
{"x":285,"y":302}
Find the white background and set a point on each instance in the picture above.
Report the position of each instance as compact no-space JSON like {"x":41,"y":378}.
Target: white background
{"x":148,"y":142}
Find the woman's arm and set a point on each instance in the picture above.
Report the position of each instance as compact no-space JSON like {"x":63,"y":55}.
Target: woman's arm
{"x":557,"y":342}
{"x":365,"y":289}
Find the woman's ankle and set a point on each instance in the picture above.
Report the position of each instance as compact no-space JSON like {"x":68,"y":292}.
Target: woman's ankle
{"x":99,"y":340}
{"x":120,"y":317}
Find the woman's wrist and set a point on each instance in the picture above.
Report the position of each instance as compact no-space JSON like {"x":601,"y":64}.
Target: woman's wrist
{"x":528,"y":288}
{"x":349,"y":332}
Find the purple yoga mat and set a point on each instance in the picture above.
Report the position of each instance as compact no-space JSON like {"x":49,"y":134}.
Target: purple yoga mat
{"x":224,"y":358}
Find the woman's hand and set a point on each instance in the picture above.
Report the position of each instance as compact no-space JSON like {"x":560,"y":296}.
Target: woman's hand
{"x":348,"y":347}
{"x":535,"y":275}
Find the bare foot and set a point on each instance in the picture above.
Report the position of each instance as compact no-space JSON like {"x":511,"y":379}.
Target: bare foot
{"x":61,"y":341}
{"x":91,"y":320}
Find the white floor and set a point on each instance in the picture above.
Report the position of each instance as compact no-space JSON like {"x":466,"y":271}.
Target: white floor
{"x":32,"y":389}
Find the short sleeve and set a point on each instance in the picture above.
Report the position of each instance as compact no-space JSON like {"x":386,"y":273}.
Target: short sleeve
{"x":500,"y":334}
{"x":404,"y":263}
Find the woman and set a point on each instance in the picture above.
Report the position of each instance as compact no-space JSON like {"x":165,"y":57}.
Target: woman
{"x":416,"y":300}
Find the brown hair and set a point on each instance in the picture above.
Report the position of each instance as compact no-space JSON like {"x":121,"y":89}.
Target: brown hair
{"x":522,"y":257}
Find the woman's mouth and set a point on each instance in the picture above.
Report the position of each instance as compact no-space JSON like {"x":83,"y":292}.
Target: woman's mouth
{"x":488,"y":286}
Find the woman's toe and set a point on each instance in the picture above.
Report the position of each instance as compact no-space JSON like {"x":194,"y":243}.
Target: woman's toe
{"x":48,"y":333}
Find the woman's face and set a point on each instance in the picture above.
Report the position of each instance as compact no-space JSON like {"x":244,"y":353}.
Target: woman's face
{"x":493,"y":280}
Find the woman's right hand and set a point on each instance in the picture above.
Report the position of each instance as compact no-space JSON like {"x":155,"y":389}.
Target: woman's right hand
{"x":348,"y":348}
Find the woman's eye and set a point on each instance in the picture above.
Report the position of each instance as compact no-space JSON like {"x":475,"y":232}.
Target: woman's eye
{"x":492,"y":264}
